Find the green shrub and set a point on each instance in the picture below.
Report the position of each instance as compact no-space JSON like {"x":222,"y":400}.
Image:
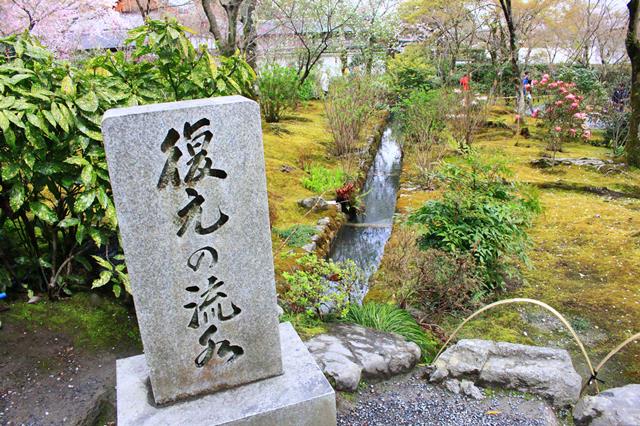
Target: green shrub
{"x":278,"y":86}
{"x":482,"y":214}
{"x":409,"y":71}
{"x":390,"y":318}
{"x":57,"y":206}
{"x":587,"y":80}
{"x":296,"y":235}
{"x":321,"y":286}
{"x":322,"y":180}
{"x":310,"y":88}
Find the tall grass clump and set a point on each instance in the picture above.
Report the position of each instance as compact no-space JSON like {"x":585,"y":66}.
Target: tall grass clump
{"x":423,"y":118}
{"x":390,"y":318}
{"x":349,"y":105}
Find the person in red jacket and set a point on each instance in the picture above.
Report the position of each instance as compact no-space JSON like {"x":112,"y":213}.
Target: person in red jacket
{"x":464,"y":82}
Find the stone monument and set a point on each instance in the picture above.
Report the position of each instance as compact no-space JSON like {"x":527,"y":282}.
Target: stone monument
{"x":190,"y":190}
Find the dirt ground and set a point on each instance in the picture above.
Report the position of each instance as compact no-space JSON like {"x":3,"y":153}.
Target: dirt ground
{"x":50,"y":377}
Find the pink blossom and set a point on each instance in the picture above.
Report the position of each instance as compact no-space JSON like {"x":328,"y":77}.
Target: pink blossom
{"x":517,"y":117}
{"x":558,"y":129}
{"x":575,"y":105}
{"x":571,"y":97}
{"x":535,"y":82}
{"x":545,"y":77}
{"x":535,"y":113}
{"x":543,"y":82}
{"x":558,"y":103}
{"x":553,"y":85}
{"x":580,"y":115}
{"x":572,"y":132}
{"x":586,"y":134}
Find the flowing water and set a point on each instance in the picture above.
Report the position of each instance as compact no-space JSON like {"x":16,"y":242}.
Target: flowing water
{"x":363,"y":239}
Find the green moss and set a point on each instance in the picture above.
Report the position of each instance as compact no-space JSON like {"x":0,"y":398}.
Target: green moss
{"x":304,"y":141}
{"x":305,"y":326}
{"x":503,"y":325}
{"x":92,"y":322}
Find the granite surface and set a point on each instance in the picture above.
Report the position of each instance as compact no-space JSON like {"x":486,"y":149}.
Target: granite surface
{"x":302,"y":396}
{"x":190,"y":190}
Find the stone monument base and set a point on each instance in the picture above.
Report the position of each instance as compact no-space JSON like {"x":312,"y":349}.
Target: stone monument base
{"x":302,"y":396}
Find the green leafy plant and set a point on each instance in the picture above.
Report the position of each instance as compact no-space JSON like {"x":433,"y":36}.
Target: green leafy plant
{"x":310,"y":88}
{"x":390,"y":318}
{"x":164,"y":66}
{"x":320,"y":286}
{"x":409,"y":71}
{"x":279,"y":91}
{"x":480,"y":213}
{"x":321,"y":179}
{"x":55,"y":194}
{"x":56,"y":197}
{"x":296,"y":235}
{"x":112,"y":273}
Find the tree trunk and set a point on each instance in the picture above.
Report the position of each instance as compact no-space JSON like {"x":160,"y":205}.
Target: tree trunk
{"x":144,"y":10}
{"x":632,"y":148}
{"x":250,"y":35}
{"x":228,"y":43}
{"x":513,"y":53}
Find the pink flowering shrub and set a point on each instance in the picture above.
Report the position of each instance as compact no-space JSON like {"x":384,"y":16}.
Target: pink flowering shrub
{"x":564,"y":113}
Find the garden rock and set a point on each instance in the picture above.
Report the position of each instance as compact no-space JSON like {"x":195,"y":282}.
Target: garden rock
{"x":350,"y":352}
{"x":453,"y":386}
{"x":471,"y":390}
{"x":325,"y":221}
{"x":547,"y":372}
{"x":617,"y":406}
{"x":309,"y":248}
{"x":584,"y":162}
{"x":314,"y":203}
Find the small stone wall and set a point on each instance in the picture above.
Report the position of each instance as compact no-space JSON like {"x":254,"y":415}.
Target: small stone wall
{"x":328,"y":227}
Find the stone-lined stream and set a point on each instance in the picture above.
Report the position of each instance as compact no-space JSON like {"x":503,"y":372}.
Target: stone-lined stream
{"x":363,"y":239}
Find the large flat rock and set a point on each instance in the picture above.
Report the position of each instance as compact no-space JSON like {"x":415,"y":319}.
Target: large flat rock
{"x":302,"y":396}
{"x":351,"y":352}
{"x":613,"y":407}
{"x":547,"y":372}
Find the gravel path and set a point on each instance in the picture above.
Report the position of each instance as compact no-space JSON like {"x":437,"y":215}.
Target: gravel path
{"x":409,"y":400}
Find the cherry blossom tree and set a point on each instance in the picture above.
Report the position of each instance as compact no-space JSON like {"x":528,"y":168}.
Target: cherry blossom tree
{"x":61,"y":25}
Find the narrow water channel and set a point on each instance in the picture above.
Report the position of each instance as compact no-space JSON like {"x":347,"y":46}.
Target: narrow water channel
{"x":363,"y":239}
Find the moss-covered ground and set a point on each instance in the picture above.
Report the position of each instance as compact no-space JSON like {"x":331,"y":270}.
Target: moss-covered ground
{"x":585,"y":256}
{"x":92,"y":322}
